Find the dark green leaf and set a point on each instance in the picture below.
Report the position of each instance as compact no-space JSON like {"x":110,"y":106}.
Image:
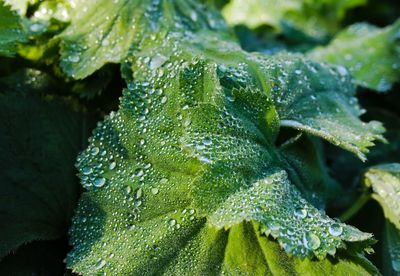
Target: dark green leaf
{"x":41,"y":136}
{"x":391,"y":254}
{"x":11,"y":31}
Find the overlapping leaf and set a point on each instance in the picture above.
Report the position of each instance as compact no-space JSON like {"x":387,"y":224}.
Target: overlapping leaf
{"x":103,"y":31}
{"x":391,"y":256}
{"x":11,"y":31}
{"x":317,"y":19}
{"x":371,"y":54}
{"x":385,"y":183}
{"x":40,"y":138}
{"x":191,"y":154}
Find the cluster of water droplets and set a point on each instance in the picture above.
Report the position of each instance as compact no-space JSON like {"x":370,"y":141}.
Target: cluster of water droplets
{"x":299,"y":227}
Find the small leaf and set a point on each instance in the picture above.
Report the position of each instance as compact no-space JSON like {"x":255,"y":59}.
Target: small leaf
{"x":371,"y":54}
{"x":385,"y":183}
{"x":391,"y":248}
{"x":11,"y":31}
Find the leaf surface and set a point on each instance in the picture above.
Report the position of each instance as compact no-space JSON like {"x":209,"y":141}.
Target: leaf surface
{"x":103,"y":31}
{"x":385,"y":183}
{"x":191,"y":155}
{"x":371,"y":54}
{"x":11,"y":31}
{"x":39,"y":142}
{"x":317,"y":19}
{"x":391,"y":247}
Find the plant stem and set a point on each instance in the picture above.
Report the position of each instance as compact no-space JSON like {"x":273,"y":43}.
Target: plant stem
{"x":357,"y":205}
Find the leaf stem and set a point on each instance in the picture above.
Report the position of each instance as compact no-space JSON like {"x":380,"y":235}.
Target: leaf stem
{"x":357,"y":205}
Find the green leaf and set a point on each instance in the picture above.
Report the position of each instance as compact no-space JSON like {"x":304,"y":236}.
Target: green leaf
{"x":391,"y":247}
{"x":36,"y":258}
{"x":21,"y":6}
{"x":315,"y":18}
{"x":371,"y":54}
{"x":192,"y":152}
{"x":385,"y":183}
{"x":41,"y":136}
{"x":11,"y":31}
{"x":104,"y":31}
{"x":305,"y":161}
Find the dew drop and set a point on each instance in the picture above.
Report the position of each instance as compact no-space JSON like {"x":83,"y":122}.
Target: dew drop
{"x":74,"y":58}
{"x":99,"y":182}
{"x":154,"y":191}
{"x":335,"y":229}
{"x":87,"y":170}
{"x":100,"y":264}
{"x":95,"y":151}
{"x":311,"y":241}
{"x":207,"y":141}
{"x":300,"y":213}
{"x":112,"y":165}
{"x":171,"y":222}
{"x":396,"y":265}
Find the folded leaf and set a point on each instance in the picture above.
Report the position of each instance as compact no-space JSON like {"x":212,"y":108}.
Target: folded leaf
{"x":192,"y":150}
{"x":11,"y":31}
{"x":191,"y":154}
{"x":371,"y":54}
{"x":317,"y":19}
{"x":391,"y":247}
{"x":385,"y":183}
{"x":103,"y":31}
{"x":39,"y":141}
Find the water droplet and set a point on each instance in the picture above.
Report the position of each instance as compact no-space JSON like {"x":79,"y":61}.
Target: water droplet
{"x":171,"y":222}
{"x":335,"y":229}
{"x":311,"y":241}
{"x":163,"y":180}
{"x":139,"y":172}
{"x":207,"y":141}
{"x":99,"y":182}
{"x":164,"y":99}
{"x":95,"y":151}
{"x":139,"y":193}
{"x":74,"y":58}
{"x":87,"y":170}
{"x":300,"y":213}
{"x":100,"y":264}
{"x":36,"y":27}
{"x":396,"y":265}
{"x":112,"y":165}
{"x":154,"y":191}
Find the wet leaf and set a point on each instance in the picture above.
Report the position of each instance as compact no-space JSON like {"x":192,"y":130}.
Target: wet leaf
{"x":371,"y":54}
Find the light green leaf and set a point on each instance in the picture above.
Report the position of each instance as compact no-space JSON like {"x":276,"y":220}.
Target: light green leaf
{"x":192,"y":152}
{"x":391,"y":248}
{"x":371,"y":54}
{"x":40,"y":138}
{"x":317,"y":19}
{"x":20,"y":5}
{"x":11,"y":31}
{"x":103,"y":31}
{"x":385,"y":183}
